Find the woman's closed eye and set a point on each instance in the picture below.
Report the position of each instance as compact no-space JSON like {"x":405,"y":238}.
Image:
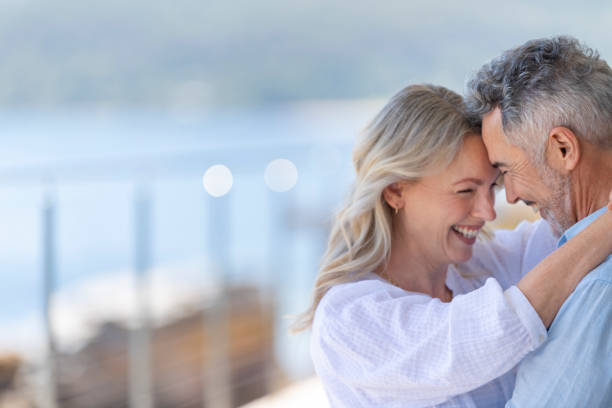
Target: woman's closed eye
{"x":497,"y":183}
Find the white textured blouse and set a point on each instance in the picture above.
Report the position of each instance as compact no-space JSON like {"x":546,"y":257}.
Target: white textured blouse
{"x":376,"y":345}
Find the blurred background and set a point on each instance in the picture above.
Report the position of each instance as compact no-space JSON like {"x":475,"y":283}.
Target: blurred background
{"x":169,"y":172}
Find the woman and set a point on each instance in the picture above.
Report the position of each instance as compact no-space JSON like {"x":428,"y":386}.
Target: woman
{"x":394,"y":321}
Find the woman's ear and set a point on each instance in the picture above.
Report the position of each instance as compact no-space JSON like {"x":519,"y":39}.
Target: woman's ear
{"x":563,"y":150}
{"x":394,"y":195}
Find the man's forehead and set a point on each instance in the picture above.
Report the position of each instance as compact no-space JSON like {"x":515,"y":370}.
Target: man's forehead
{"x":492,"y":123}
{"x":493,"y":137}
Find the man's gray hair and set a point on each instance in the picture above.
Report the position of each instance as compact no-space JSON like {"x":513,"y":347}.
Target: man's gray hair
{"x":542,"y":84}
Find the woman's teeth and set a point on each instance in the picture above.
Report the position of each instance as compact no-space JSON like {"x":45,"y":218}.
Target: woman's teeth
{"x":466,"y":232}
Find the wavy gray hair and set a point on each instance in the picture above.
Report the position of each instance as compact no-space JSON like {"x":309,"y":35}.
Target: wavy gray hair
{"x":542,"y":84}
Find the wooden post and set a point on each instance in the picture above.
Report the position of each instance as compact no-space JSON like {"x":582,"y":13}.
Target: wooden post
{"x":49,"y":272}
{"x":140,"y":375}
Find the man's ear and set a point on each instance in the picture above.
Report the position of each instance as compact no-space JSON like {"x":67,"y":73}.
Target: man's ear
{"x":563,"y":150}
{"x":394,"y":195}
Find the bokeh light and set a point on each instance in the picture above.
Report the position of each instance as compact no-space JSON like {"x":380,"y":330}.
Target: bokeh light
{"x":281,"y":175}
{"x":218,"y":180}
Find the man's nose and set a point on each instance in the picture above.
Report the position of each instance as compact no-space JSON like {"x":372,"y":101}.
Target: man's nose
{"x":511,"y":196}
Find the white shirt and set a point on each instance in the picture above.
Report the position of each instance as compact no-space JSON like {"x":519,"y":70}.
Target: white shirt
{"x":376,"y":345}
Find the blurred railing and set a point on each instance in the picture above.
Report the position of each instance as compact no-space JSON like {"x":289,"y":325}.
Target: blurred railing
{"x":215,"y":378}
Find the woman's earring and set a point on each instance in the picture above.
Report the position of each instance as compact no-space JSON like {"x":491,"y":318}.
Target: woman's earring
{"x":396,"y":210}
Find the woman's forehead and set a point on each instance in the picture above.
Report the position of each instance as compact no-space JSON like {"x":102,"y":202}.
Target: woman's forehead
{"x":470,"y":164}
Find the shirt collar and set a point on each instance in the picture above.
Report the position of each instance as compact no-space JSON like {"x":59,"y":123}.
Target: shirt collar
{"x":580,"y":225}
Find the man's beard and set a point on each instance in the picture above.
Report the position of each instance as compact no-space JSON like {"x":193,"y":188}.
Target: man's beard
{"x":557,"y":210}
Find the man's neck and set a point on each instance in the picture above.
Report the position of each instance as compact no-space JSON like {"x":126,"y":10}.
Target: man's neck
{"x":592,"y":183}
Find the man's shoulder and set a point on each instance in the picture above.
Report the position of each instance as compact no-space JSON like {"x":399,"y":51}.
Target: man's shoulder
{"x":592,"y":295}
{"x":576,"y":351}
{"x":602,"y":274}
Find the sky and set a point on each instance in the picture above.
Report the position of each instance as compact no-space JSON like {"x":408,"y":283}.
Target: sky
{"x":194,"y":55}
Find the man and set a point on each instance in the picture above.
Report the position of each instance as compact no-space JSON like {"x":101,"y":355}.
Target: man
{"x":546,"y":114}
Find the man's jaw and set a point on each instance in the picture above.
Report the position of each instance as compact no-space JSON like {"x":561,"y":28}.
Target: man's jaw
{"x":538,"y":209}
{"x":532,"y":204}
{"x":555,"y":225}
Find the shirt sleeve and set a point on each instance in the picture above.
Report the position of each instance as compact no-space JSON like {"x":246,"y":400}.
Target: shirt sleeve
{"x":510,"y":254}
{"x":574,"y":368}
{"x":387,"y":344}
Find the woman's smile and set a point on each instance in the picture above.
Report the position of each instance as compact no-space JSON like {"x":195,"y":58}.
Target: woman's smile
{"x":466,"y":234}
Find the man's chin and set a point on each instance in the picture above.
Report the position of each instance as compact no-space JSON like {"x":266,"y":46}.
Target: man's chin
{"x":555,"y":225}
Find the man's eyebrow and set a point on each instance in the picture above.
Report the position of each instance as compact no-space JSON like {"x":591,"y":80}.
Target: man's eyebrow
{"x":473,"y":180}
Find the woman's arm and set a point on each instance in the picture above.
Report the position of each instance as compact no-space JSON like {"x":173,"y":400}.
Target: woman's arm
{"x":551,"y":282}
{"x":387,"y":345}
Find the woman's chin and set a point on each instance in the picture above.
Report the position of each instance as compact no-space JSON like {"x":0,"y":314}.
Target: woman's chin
{"x":460,"y":248}
{"x":462,"y":255}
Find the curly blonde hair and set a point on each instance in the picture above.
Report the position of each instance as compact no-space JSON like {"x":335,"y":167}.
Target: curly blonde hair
{"x":418,"y":132}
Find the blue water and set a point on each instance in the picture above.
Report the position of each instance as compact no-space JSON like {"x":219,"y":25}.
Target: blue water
{"x":271,"y":238}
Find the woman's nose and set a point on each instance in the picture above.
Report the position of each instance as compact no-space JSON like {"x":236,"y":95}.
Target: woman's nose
{"x":485,"y":206}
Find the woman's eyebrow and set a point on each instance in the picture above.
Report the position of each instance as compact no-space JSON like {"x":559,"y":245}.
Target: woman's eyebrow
{"x":473,"y":180}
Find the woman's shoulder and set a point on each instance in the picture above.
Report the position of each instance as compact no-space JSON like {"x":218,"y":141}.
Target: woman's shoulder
{"x":337,"y":307}
{"x":359,"y":300}
{"x":349,"y":292}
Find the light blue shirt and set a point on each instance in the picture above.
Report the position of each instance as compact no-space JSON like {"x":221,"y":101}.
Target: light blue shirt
{"x":574,"y":367}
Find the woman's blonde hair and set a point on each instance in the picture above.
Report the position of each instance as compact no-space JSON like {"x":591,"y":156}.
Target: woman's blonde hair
{"x":418,"y":132}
